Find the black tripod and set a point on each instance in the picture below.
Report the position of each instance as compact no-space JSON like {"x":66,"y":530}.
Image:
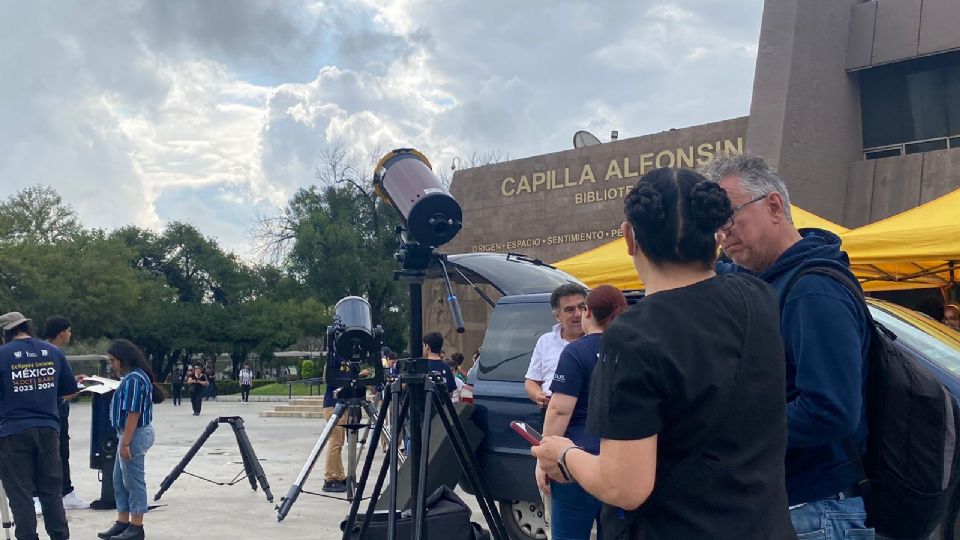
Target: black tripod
{"x":251,"y":466}
{"x":425,"y":394}
{"x":353,"y":406}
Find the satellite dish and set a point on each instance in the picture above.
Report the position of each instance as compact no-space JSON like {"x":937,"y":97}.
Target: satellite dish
{"x":584,"y":138}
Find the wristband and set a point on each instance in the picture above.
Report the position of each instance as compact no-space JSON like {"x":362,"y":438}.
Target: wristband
{"x":562,"y":463}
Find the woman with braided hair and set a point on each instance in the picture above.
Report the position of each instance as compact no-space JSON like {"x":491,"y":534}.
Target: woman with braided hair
{"x":687,"y":396}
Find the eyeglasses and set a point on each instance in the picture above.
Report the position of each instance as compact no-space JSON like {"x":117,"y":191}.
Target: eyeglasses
{"x":582,"y":306}
{"x":738,"y":208}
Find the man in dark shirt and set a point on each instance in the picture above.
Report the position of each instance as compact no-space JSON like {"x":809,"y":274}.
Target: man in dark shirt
{"x":826,"y":337}
{"x":432,"y":347}
{"x":198,"y":382}
{"x":33,"y":376}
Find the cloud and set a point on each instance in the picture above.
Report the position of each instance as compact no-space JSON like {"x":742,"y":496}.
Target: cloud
{"x":144,"y":112}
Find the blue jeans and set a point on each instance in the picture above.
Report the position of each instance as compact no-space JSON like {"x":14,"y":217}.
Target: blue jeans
{"x":129,"y":484}
{"x":573,"y":512}
{"x":836,"y":518}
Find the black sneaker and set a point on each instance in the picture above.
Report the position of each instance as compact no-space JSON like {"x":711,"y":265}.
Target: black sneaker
{"x":114,"y":530}
{"x":335,"y":486}
{"x":133,"y":532}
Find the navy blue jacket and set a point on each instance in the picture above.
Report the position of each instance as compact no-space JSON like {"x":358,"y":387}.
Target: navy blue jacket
{"x":826,"y":338}
{"x":33,"y":376}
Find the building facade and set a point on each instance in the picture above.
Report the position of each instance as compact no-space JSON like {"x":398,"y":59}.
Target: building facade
{"x":856,"y":103}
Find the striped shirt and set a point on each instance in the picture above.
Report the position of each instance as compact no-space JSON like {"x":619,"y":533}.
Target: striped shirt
{"x":135,"y":394}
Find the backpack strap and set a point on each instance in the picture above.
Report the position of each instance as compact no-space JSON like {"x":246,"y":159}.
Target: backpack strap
{"x":850,"y":449}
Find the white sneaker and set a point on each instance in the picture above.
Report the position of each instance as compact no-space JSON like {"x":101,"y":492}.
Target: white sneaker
{"x":36,"y":507}
{"x":72,"y":502}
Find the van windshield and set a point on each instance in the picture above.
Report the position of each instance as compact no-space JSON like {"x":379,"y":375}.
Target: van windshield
{"x":510,"y":338}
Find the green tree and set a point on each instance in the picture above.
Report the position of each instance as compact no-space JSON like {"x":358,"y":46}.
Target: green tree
{"x":37,"y":215}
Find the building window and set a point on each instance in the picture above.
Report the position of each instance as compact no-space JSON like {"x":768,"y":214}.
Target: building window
{"x":911,"y":102}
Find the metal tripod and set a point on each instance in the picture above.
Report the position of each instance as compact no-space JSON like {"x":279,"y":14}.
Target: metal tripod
{"x":251,"y":466}
{"x":352,"y":407}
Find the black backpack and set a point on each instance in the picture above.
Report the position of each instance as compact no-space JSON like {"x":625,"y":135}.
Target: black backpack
{"x":910,"y":469}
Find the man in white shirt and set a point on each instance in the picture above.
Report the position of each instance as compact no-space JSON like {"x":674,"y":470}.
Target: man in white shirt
{"x":568,"y":302}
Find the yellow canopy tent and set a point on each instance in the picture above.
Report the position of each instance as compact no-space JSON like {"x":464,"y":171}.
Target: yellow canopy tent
{"x":916,"y":248}
{"x":610,"y":263}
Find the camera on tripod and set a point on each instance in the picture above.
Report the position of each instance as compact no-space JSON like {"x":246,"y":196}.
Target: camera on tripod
{"x":353,"y":346}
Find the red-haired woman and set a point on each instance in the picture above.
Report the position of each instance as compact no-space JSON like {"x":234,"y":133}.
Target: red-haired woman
{"x":574,"y":510}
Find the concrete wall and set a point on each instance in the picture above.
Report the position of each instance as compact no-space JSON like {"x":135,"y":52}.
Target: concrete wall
{"x":880,"y":188}
{"x":557,"y":205}
{"x":805,"y":113}
{"x":884,"y":31}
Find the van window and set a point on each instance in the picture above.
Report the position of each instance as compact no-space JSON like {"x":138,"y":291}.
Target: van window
{"x":510,"y":338}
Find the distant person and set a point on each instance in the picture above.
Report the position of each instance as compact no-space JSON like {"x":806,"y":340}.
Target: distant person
{"x":212,"y":387}
{"x":197,"y":381}
{"x":334,"y":477}
{"x":34,"y":375}
{"x":574,"y":511}
{"x":58,"y":332}
{"x":567,"y":302}
{"x":176,"y":386}
{"x":687,"y":396}
{"x":826,"y":334}
{"x":951,"y":316}
{"x":432,"y":347}
{"x":246,"y":382}
{"x":457,"y":360}
{"x":131,"y":414}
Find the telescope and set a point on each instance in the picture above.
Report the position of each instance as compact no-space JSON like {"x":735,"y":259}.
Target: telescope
{"x":353,"y":343}
{"x":404,"y":179}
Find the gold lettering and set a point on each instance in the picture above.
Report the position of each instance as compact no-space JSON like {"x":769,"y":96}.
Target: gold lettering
{"x":704,"y":153}
{"x":685,"y":159}
{"x":523,"y":185}
{"x":646,"y":162}
{"x":586,"y":174}
{"x":503,"y":187}
{"x":538,"y":179}
{"x":668,"y":154}
{"x":613,"y":169}
{"x":552,"y":179}
{"x":626,"y":169}
{"x":733,"y":149}
{"x":578,"y":198}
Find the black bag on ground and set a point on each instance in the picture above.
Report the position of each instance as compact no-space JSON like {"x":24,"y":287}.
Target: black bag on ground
{"x":448,"y":517}
{"x":910,"y":469}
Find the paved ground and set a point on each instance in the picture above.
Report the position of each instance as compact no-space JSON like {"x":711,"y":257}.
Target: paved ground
{"x":192,"y":508}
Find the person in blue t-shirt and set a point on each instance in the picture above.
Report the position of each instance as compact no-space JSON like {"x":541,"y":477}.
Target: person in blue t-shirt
{"x":131,"y":414}
{"x":432,"y":350}
{"x":33,"y":376}
{"x":574,"y":510}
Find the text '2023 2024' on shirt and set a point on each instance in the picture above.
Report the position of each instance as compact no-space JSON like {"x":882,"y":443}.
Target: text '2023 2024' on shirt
{"x":34,"y":375}
{"x":702,"y":368}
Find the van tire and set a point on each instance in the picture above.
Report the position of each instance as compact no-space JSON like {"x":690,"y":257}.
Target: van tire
{"x":521,"y":517}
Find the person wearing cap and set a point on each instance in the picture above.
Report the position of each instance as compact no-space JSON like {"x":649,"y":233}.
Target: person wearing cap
{"x":33,"y":376}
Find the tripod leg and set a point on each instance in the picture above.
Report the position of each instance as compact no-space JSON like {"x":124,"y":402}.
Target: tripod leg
{"x":375,"y":496}
{"x":175,"y":473}
{"x":396,"y":389}
{"x":353,"y":418}
{"x":250,"y":461}
{"x":469,"y":465}
{"x":420,"y":495}
{"x":297,"y":486}
{"x":367,"y":464}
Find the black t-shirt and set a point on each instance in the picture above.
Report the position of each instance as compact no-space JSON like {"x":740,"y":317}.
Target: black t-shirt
{"x":703,"y":368}
{"x":572,"y":378}
{"x":197,"y":389}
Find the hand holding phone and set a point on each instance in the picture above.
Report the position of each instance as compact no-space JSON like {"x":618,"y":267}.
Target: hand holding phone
{"x":524,"y":429}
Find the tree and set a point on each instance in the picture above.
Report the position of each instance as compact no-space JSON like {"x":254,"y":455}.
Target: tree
{"x":338,"y":239}
{"x":37,"y":215}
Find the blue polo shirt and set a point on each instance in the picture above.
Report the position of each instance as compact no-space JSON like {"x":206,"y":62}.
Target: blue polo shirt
{"x":33,"y":376}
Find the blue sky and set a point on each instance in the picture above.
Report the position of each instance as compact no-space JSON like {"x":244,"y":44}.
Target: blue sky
{"x":145,"y":112}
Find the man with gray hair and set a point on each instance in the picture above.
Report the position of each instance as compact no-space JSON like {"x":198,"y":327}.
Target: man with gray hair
{"x":826,"y":337}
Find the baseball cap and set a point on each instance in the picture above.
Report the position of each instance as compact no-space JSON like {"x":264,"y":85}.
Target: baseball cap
{"x":9,"y":321}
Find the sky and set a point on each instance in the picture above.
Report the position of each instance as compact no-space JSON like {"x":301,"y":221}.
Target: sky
{"x":212,"y":112}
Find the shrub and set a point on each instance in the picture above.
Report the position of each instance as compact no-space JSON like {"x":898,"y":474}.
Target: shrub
{"x":306,"y":369}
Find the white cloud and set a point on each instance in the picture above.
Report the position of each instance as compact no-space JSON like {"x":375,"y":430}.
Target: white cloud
{"x":153,"y":111}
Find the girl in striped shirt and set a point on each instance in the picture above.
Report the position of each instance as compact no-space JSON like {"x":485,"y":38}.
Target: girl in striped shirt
{"x":131,"y":414}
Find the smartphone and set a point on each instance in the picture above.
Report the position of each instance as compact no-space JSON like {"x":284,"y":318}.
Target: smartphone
{"x":527,"y":432}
